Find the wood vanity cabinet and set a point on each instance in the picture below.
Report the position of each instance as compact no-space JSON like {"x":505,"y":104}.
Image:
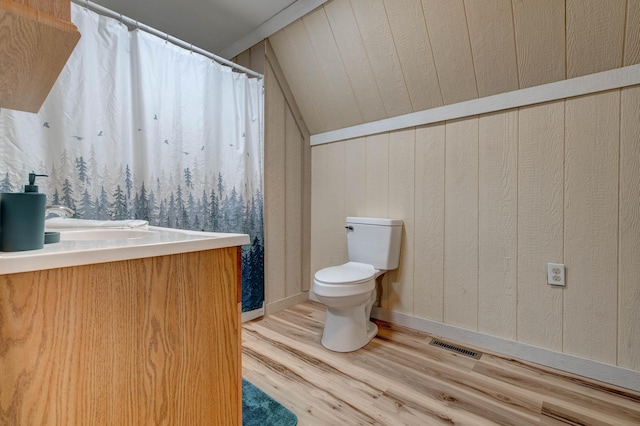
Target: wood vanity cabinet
{"x":36,"y":40}
{"x":133,"y":342}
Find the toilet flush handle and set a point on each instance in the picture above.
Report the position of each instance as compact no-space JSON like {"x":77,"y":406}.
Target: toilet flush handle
{"x":349,"y":228}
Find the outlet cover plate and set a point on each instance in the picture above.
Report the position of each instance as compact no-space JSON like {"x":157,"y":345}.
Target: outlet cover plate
{"x":555,"y":274}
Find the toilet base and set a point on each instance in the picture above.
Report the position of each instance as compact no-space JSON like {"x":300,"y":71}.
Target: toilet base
{"x":346,"y":330}
{"x":372,"y":330}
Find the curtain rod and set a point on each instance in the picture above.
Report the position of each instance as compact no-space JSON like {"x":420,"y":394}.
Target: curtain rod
{"x":132,"y":22}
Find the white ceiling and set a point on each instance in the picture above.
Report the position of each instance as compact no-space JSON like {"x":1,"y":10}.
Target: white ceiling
{"x":223,"y":27}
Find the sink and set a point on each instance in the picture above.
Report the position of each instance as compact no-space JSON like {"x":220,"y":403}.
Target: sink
{"x":88,"y":245}
{"x":104,"y":234}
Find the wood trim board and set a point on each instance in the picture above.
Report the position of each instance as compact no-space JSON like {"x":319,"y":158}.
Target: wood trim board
{"x":584,"y":85}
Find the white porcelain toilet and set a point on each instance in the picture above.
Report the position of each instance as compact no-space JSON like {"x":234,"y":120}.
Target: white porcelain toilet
{"x":349,"y":290}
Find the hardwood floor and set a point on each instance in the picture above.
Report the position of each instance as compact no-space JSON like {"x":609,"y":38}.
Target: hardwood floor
{"x":400,"y":379}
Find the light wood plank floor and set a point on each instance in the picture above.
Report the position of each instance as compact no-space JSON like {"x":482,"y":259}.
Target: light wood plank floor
{"x":399,"y":379}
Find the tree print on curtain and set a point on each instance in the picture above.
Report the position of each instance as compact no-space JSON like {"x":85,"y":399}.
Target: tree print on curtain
{"x":198,"y":203}
{"x":193,"y":202}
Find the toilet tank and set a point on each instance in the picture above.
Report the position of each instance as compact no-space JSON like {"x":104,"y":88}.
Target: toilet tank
{"x":375,"y":241}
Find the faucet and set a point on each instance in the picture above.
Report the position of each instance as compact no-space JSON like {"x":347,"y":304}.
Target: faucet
{"x":60,"y":211}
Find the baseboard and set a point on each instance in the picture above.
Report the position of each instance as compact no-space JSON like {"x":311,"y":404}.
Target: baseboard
{"x":251,"y":315}
{"x":287,"y":302}
{"x":617,"y":376}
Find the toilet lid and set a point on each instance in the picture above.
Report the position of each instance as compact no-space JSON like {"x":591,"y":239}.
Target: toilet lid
{"x":349,"y":273}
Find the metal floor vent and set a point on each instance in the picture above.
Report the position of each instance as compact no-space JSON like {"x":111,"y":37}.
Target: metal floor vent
{"x":455,"y":348}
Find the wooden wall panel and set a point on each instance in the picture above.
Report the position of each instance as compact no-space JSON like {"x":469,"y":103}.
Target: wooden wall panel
{"x":288,"y":158}
{"x":540,"y":223}
{"x":591,"y":226}
{"x":274,"y":190}
{"x":461,"y":224}
{"x":253,"y":58}
{"x":428,"y":267}
{"x":355,"y":177}
{"x":327,"y":237}
{"x":258,"y":59}
{"x":493,"y":47}
{"x":629,"y":263}
{"x":498,"y":222}
{"x":595,"y":34}
{"x":632,"y":33}
{"x":409,"y":32}
{"x":540,"y":41}
{"x":447,"y":28}
{"x":401,"y":205}
{"x":383,"y":57}
{"x":293,"y":161}
{"x":307,"y":273}
{"x":320,"y":90}
{"x":335,"y":211}
{"x":330,"y":64}
{"x":277,"y":74}
{"x":320,"y":205}
{"x":377,"y":176}
{"x":294,"y":74}
{"x":243,"y":59}
{"x":354,"y":56}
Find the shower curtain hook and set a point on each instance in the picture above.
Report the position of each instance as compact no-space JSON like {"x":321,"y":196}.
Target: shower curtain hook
{"x":166,"y":40}
{"x":191,"y":47}
{"x":86,"y":4}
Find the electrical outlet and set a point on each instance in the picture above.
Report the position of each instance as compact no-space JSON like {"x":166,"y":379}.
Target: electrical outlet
{"x":555,"y":273}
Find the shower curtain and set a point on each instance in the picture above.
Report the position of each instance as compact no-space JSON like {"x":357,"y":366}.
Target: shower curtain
{"x":136,"y":127}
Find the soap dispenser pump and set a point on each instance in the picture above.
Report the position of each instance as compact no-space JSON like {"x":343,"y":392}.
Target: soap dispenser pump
{"x":22,"y":218}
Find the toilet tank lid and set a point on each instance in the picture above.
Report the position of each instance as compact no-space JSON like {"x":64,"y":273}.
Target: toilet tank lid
{"x":374,"y":221}
{"x":350,"y":272}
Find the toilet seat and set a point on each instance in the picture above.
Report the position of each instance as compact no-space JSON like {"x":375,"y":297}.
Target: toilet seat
{"x":350,"y":273}
{"x":349,"y":279}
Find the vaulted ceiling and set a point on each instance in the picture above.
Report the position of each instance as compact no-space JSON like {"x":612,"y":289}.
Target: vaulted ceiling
{"x":223,"y":27}
{"x":354,"y":61}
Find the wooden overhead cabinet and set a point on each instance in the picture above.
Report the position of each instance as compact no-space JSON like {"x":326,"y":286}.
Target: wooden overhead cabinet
{"x":36,"y":40}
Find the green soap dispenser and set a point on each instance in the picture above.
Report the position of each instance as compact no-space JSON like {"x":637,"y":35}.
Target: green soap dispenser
{"x":22,"y":218}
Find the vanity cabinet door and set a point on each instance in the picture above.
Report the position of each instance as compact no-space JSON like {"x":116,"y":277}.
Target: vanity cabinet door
{"x":140,"y":341}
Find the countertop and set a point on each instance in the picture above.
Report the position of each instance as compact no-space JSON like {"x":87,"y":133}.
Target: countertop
{"x":158,"y":242}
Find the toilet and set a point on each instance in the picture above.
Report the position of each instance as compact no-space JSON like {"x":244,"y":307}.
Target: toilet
{"x":349,"y":290}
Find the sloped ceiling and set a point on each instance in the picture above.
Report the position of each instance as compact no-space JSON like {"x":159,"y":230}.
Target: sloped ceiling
{"x":223,"y":27}
{"x":355,"y":61}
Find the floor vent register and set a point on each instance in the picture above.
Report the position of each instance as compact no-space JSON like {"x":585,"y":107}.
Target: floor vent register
{"x":455,"y":348}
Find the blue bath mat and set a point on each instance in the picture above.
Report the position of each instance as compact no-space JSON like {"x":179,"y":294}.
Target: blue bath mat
{"x":259,"y":409}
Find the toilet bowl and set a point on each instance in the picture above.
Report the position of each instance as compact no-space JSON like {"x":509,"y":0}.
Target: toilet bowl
{"x":349,"y":292}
